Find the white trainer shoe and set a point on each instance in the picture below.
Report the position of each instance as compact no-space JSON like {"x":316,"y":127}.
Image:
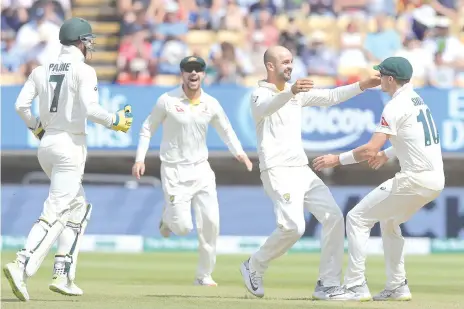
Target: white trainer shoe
{"x":75,"y":290}
{"x":62,"y":285}
{"x":355,"y":293}
{"x":164,"y":230}
{"x":322,"y":292}
{"x":14,"y":273}
{"x":207,"y":281}
{"x":401,"y":293}
{"x":253,"y":280}
{"x":360,"y":292}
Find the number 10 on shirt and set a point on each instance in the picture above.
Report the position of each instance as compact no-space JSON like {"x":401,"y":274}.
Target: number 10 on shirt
{"x":429,"y":126}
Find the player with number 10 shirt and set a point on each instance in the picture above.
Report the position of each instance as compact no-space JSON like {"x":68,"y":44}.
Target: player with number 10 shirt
{"x":408,"y":123}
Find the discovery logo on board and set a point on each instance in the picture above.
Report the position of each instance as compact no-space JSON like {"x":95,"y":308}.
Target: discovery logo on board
{"x":342,"y":126}
{"x":327,"y":129}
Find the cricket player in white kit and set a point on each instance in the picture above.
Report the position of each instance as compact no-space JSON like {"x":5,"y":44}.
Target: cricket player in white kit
{"x":290,"y":183}
{"x":68,"y":96}
{"x":407,"y":122}
{"x":187,"y":178}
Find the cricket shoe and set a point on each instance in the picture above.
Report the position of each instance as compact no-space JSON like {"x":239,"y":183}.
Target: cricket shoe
{"x":164,"y":230}
{"x":207,"y":281}
{"x":401,"y":293}
{"x":322,"y":292}
{"x":355,"y":293}
{"x":62,"y":285}
{"x":15,"y":274}
{"x":253,"y":280}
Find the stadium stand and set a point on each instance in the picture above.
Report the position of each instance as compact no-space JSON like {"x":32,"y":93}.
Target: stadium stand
{"x":335,"y":42}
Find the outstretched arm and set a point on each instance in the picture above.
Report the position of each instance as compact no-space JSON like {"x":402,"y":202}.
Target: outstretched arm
{"x":150,"y":125}
{"x":221,"y":123}
{"x":389,"y":123}
{"x":360,"y":154}
{"x":329,"y":97}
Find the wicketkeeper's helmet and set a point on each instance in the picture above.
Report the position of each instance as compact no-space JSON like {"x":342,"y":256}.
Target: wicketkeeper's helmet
{"x":77,"y":29}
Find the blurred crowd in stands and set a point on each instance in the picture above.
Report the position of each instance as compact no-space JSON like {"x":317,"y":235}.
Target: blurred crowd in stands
{"x":29,"y":33}
{"x":334,"y":41}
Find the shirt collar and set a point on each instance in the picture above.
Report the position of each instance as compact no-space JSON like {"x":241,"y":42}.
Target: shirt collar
{"x":265,"y":84}
{"x":183,"y":96}
{"x":73,"y":52}
{"x":404,"y":88}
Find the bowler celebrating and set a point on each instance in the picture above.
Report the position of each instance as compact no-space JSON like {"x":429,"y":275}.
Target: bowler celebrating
{"x":407,"y":122}
{"x":187,"y":178}
{"x":290,"y":183}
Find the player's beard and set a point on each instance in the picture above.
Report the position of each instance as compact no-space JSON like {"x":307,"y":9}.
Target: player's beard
{"x":286,"y":74}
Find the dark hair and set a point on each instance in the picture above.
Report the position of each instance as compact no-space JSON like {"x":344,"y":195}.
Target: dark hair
{"x":402,"y":82}
{"x":69,"y":43}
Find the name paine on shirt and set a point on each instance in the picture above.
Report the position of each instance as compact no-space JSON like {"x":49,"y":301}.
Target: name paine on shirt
{"x":417,"y":101}
{"x":59,"y":67}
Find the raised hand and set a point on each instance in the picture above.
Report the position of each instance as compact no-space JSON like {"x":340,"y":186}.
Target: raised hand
{"x":302,"y":85}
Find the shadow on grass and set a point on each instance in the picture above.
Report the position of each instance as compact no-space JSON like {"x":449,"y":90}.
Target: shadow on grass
{"x":193,"y":296}
{"x":227,"y":297}
{"x":10,"y":300}
{"x":15,"y":300}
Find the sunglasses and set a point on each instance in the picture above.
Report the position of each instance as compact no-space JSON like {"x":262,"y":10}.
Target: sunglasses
{"x":190,"y":69}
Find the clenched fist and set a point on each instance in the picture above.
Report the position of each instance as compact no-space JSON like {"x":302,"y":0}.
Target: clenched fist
{"x":302,"y":85}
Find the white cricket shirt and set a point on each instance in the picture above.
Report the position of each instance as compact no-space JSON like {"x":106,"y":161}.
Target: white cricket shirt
{"x":277,"y":115}
{"x":68,"y":94}
{"x":185,"y":127}
{"x":414,"y":136}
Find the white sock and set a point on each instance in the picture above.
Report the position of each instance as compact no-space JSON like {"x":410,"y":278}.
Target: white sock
{"x":59,"y":267}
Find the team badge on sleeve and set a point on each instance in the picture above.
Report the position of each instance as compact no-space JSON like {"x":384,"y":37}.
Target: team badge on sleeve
{"x":254,"y":99}
{"x":384,"y":123}
{"x":171,"y":199}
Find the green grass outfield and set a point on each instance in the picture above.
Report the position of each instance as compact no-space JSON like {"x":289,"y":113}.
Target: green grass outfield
{"x":165,"y":280}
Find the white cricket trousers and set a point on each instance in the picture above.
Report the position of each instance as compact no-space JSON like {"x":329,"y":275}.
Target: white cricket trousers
{"x":186,"y":186}
{"x":62,"y":157}
{"x":392,"y":203}
{"x":292,"y":190}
